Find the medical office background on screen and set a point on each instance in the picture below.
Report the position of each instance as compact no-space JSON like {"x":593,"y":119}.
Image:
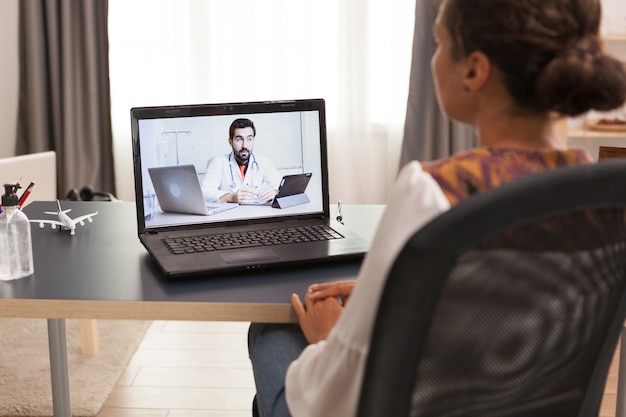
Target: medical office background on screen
{"x":291,"y":140}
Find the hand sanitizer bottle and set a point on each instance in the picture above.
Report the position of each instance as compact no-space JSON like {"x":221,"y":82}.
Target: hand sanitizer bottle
{"x":16,"y":249}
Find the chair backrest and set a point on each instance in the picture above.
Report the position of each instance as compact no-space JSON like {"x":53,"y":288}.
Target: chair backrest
{"x":40,"y":168}
{"x":509,"y":304}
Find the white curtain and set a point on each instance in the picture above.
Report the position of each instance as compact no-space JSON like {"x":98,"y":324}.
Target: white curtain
{"x":356,"y":54}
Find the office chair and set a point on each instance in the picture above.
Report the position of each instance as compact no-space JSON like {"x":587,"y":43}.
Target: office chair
{"x":509,"y":304}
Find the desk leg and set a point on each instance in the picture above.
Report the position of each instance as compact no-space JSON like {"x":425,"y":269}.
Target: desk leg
{"x":89,"y":345}
{"x":620,"y":396}
{"x":58,"y":368}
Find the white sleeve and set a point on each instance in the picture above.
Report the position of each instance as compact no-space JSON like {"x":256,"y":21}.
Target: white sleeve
{"x":214,"y":179}
{"x":325,"y":380}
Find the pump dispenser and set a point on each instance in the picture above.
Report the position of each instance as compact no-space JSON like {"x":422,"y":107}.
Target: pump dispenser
{"x":16,"y":249}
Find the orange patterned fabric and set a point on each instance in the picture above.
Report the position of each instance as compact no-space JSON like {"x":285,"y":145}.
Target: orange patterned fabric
{"x":481,"y":169}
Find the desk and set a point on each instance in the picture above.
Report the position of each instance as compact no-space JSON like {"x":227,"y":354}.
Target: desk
{"x":162,"y":218}
{"x":103,"y":272}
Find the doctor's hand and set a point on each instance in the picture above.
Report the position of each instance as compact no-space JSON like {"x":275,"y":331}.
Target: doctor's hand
{"x":339,"y":289}
{"x":316,"y":318}
{"x":246,"y":195}
{"x":266,"y":193}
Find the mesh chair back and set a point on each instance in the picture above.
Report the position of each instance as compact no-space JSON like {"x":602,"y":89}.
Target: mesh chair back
{"x":509,"y":304}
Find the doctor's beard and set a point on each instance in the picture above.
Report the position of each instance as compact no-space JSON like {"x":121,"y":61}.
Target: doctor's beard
{"x":242,"y":160}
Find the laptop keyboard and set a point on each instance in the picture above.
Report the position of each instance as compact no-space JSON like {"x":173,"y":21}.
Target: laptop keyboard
{"x":208,"y":243}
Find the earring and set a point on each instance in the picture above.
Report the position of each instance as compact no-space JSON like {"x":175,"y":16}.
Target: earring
{"x":466,"y":88}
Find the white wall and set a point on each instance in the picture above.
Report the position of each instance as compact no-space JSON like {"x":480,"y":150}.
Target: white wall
{"x":614,"y":17}
{"x":9,"y":81}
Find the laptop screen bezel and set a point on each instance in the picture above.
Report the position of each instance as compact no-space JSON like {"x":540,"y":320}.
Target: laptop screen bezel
{"x":226,"y":109}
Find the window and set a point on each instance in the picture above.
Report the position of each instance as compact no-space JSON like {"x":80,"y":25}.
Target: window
{"x":356,"y":54}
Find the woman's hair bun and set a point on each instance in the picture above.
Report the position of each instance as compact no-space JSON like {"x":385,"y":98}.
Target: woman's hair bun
{"x":581,"y":78}
{"x":549,"y":52}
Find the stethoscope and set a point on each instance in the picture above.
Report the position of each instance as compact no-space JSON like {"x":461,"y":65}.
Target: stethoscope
{"x":233,"y":184}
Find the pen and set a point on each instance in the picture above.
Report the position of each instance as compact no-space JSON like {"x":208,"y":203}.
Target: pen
{"x":25,"y":194}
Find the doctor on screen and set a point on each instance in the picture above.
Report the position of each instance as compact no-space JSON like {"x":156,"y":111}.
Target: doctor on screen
{"x":241,"y":176}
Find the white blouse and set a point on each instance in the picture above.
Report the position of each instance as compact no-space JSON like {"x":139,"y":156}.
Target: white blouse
{"x":325,"y":380}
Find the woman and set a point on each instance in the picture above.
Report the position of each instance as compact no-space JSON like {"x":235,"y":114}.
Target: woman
{"x":505,"y":67}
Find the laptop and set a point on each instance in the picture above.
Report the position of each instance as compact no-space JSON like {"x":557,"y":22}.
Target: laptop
{"x":295,"y":230}
{"x":178,"y":191}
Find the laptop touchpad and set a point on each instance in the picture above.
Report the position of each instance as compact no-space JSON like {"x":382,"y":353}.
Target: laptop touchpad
{"x":248,"y":256}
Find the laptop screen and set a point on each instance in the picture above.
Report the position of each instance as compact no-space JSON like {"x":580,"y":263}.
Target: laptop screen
{"x":273,"y":143}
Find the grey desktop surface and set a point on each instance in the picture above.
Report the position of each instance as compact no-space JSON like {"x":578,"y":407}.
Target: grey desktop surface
{"x":105,"y":261}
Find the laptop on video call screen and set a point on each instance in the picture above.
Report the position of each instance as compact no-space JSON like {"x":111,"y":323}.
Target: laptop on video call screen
{"x":173,"y":145}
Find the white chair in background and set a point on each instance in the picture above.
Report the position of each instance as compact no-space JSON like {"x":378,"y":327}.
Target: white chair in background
{"x":41,"y":168}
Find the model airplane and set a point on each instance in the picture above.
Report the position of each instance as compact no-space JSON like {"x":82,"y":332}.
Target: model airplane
{"x":65,"y":222}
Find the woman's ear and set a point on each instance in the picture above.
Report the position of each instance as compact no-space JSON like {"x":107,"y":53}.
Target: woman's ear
{"x":477,"y":71}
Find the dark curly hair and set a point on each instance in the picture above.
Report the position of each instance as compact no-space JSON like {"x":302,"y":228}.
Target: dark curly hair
{"x":240,"y":124}
{"x":548,"y":51}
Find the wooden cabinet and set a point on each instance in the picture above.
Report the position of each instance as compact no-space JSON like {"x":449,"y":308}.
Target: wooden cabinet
{"x":592,"y":140}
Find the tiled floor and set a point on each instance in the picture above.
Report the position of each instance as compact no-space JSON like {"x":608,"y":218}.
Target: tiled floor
{"x":201,"y":369}
{"x":186,"y":369}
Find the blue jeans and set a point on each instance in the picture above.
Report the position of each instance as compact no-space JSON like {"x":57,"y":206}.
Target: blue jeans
{"x":272,"y":347}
